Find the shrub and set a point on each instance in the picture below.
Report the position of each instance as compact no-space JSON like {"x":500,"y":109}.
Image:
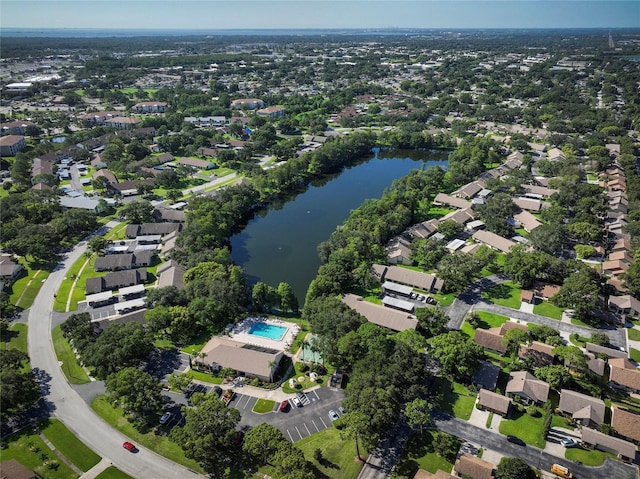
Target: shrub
{"x":304,"y":367}
{"x":533,"y":411}
{"x":318,"y":369}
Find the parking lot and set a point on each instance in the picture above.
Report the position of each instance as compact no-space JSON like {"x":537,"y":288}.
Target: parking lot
{"x":296,"y":422}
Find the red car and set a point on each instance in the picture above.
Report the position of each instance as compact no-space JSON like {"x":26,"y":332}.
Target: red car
{"x":129,"y":446}
{"x":284,"y":405}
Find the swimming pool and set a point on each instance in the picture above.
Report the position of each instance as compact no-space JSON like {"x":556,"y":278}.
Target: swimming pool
{"x":269,"y":331}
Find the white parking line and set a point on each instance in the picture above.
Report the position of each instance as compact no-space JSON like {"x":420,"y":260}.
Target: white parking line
{"x":298,"y":432}
{"x":316,"y":394}
{"x":305,"y":426}
{"x":290,"y":435}
{"x":323,"y":423}
{"x":247,"y":403}
{"x":314,"y":425}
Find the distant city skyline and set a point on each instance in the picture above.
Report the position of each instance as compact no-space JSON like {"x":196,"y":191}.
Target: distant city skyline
{"x":320,"y":14}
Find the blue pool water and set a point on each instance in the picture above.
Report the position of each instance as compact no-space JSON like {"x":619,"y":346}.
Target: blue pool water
{"x":269,"y":331}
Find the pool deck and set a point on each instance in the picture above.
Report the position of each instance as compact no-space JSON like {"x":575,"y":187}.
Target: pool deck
{"x":240,"y":332}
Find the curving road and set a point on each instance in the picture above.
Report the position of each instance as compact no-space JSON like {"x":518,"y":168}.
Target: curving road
{"x":65,"y":403}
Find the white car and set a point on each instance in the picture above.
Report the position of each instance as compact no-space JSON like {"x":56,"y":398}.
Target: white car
{"x":333,"y":415}
{"x":166,"y":417}
{"x":296,"y":401}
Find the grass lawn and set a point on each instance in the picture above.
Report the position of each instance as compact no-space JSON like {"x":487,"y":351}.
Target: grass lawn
{"x":301,"y":385}
{"x":506,"y":294}
{"x":420,"y":454}
{"x":205,"y":377}
{"x":263,"y":406}
{"x":197,"y":344}
{"x":113,"y":472}
{"x":29,"y":450}
{"x":69,"y":445}
{"x":338,"y":454}
{"x":118,"y":232}
{"x":487,"y":320}
{"x":527,"y":428}
{"x":26,"y":288}
{"x":159,"y":444}
{"x":634,"y":354}
{"x":587,"y":457}
{"x":17,"y":337}
{"x":70,"y":367}
{"x":438,"y":212}
{"x":559,"y":421}
{"x":633,"y":334}
{"x":65,"y":290}
{"x":545,"y":308}
{"x":454,"y":398}
{"x":443,"y":299}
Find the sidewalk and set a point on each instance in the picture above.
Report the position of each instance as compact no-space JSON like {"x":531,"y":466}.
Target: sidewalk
{"x":97,"y":469}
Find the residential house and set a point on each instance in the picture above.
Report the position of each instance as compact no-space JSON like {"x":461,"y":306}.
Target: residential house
{"x":473,"y":467}
{"x":443,"y":199}
{"x":246,"y":359}
{"x":545,"y":291}
{"x":123,"y":123}
{"x":117,"y":262}
{"x":399,"y":251}
{"x":622,"y":244}
{"x":540,"y":353}
{"x":424,"y":229}
{"x":116,"y":280}
{"x":469,"y":190}
{"x":527,"y":296}
{"x":272,"y":112}
{"x":41,"y":167}
{"x":625,"y":304}
{"x":529,"y":204}
{"x":11,"y":145}
{"x":490,"y":339}
{"x":615,"y":267}
{"x":625,"y":423}
{"x":623,"y":374}
{"x":149,"y":107}
{"x":15,"y":127}
{"x":625,"y":450}
{"x":493,"y":240}
{"x":169,"y":215}
{"x":107,"y":174}
{"x":486,"y":377}
{"x":99,"y":117}
{"x":171,"y":273}
{"x":42,"y":187}
{"x":623,"y":256}
{"x":494,"y":402}
{"x":538,"y":190}
{"x":527,"y":221}
{"x":439,"y":474}
{"x":603,"y":350}
{"x":377,"y":314}
{"x":249,"y":103}
{"x":12,"y":469}
{"x":9,"y":270}
{"x":424,"y":281}
{"x":197,"y":164}
{"x":596,"y":365}
{"x":525,"y":385}
{"x":614,"y":149}
{"x":555,"y":154}
{"x":128,"y":188}
{"x":459,"y":216}
{"x":586,"y":410}
{"x":145,"y":229}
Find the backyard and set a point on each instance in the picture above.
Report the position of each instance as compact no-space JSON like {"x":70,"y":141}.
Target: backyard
{"x":487,"y":321}
{"x":420,"y":454}
{"x":454,"y":398}
{"x":69,"y":445}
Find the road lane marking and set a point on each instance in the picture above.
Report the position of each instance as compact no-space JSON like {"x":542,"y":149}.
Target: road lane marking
{"x":314,"y":425}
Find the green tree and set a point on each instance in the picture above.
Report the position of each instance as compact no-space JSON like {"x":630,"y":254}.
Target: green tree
{"x":418,"y":413}
{"x":137,"y":212}
{"x":446,"y":445}
{"x":458,"y":270}
{"x":18,"y":387}
{"x":207,"y":434}
{"x":556,"y":375}
{"x":496,"y":212}
{"x":631,"y":279}
{"x":262,"y":442}
{"x":288,"y":300}
{"x":580,"y":291}
{"x":136,"y":391}
{"x":458,"y":354}
{"x":514,"y":468}
{"x":264,"y":296}
{"x":513,"y":338}
{"x":357,"y":428}
{"x":432,"y":320}
{"x":97,"y":244}
{"x":180,"y":382}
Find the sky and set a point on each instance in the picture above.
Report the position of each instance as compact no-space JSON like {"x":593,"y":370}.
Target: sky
{"x":268,"y":14}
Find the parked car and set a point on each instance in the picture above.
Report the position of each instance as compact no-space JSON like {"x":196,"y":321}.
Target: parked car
{"x":238,"y":437}
{"x":342,"y":410}
{"x":333,"y":415}
{"x":568,"y":442}
{"x":165,"y":418}
{"x":217,"y":390}
{"x":129,"y":446}
{"x":413,"y":295}
{"x":284,"y":406}
{"x":516,"y":440}
{"x":420,"y":297}
{"x":296,"y":401}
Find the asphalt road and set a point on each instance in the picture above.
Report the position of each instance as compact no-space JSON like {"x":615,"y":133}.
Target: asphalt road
{"x":532,"y":455}
{"x":67,"y":405}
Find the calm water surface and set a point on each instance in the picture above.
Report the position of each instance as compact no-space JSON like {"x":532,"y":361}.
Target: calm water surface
{"x":281,"y":243}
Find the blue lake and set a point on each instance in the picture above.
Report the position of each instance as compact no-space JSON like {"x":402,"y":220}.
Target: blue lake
{"x":280,"y":244}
